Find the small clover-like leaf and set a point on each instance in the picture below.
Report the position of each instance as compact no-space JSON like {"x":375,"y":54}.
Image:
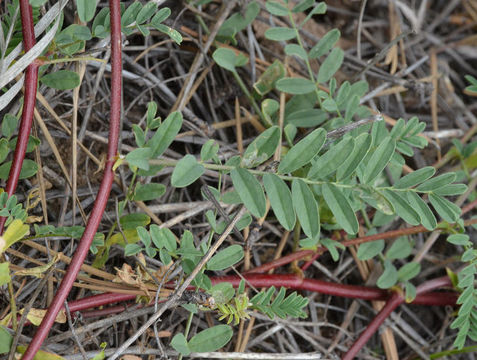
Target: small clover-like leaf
{"x":186,"y":171}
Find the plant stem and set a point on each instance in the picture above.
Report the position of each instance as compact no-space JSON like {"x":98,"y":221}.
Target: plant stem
{"x":250,"y":98}
{"x":395,"y":300}
{"x":187,"y":329}
{"x":295,"y":282}
{"x":103,"y":193}
{"x":31,"y":79}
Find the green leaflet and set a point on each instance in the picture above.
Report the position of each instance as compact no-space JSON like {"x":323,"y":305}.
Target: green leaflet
{"x":148,"y":191}
{"x":389,"y":276}
{"x":209,"y":150}
{"x":262,"y":148}
{"x":414,"y":178}
{"x":211,"y":339}
{"x":280,"y":33}
{"x":280,"y":200}
{"x":86,"y":9}
{"x":370,"y":249}
{"x":165,"y":134}
{"x":275,"y":8}
{"x":29,"y":168}
{"x":61,"y":80}
{"x":437,"y":182}
{"x":296,"y":50}
{"x":226,"y":258}
{"x":186,"y":171}
{"x":402,"y":207}
{"x":249,"y":190}
{"x":428,"y":220}
{"x":332,"y":159}
{"x":379,"y":159}
{"x":447,"y":210}
{"x":295,"y":86}
{"x":325,"y":44}
{"x":362,"y":143}
{"x":408,"y":271}
{"x":451,"y":190}
{"x":331,"y":65}
{"x":341,"y":208}
{"x":306,"y":208}
{"x":227,"y":59}
{"x":301,"y":153}
{"x":179,"y":343}
{"x":400,"y":249}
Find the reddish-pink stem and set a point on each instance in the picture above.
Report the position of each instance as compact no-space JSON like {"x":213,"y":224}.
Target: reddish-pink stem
{"x":292,"y":282}
{"x":395,"y":300}
{"x":31,"y":79}
{"x":280,"y":262}
{"x":103,"y":193}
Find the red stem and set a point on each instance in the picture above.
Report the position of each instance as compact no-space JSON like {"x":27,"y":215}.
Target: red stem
{"x":103,"y":193}
{"x":280,"y":262}
{"x":296,"y":283}
{"x":31,"y":80}
{"x":395,"y":300}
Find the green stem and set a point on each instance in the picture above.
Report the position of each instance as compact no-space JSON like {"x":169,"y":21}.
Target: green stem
{"x":216,"y":167}
{"x":250,"y":98}
{"x":187,"y":329}
{"x":67,"y":60}
{"x":464,"y":350}
{"x":307,"y":62}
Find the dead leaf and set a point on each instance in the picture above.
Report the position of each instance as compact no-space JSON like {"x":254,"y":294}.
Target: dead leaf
{"x":38,"y":271}
{"x":35,"y":316}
